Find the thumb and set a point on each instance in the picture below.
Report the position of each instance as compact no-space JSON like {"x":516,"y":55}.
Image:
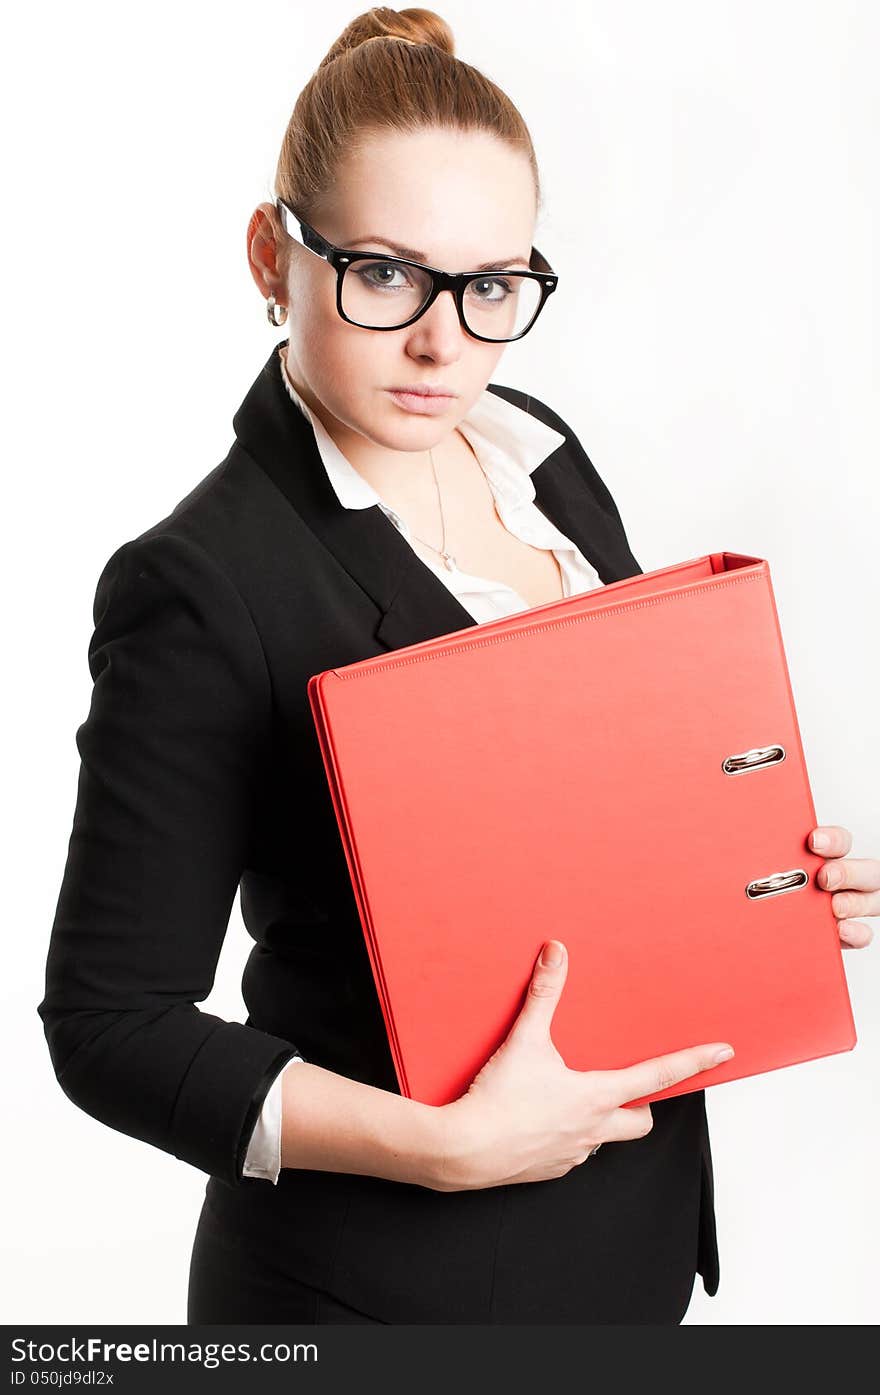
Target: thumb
{"x":543,"y":992}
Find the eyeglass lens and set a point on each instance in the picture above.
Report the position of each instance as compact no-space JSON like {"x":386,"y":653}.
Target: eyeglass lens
{"x":384,"y":293}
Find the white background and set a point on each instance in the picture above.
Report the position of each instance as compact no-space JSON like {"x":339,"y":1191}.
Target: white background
{"x":711,"y":193}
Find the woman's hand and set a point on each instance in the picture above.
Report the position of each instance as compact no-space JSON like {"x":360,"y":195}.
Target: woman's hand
{"x":527,"y":1118}
{"x":855,"y":882}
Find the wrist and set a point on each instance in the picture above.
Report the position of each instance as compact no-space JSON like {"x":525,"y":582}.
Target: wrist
{"x":459,"y":1146}
{"x":433,"y":1143}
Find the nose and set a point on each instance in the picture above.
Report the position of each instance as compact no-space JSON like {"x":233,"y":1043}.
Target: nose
{"x":438,"y":333}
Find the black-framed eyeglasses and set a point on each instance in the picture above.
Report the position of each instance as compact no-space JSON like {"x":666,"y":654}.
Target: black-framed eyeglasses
{"x":386,"y":292}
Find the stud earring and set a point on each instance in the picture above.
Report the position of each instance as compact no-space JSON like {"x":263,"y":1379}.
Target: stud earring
{"x":271,"y":307}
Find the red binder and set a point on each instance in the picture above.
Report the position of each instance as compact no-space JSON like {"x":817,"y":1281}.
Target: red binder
{"x":621,"y":770}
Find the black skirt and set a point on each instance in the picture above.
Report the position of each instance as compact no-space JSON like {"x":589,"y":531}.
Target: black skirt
{"x":618,"y":1239}
{"x":229,"y":1283}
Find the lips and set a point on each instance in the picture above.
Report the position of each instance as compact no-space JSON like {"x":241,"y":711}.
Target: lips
{"x":415,"y":391}
{"x":421,"y":403}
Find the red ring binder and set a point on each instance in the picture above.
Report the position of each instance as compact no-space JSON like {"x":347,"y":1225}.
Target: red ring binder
{"x":559,"y":770}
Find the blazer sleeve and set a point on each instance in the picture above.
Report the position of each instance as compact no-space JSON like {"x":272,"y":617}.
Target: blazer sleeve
{"x":178,"y":732}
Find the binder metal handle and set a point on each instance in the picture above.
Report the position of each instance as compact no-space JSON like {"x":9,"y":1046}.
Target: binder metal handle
{"x":756,"y":759}
{"x":778,"y":883}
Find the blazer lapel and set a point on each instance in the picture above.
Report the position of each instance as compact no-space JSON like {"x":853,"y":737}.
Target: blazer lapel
{"x":414,"y":603}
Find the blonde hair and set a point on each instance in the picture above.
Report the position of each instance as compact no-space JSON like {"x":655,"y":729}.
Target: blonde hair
{"x":389,"y":70}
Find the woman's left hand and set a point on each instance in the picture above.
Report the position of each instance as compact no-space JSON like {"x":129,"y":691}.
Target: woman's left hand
{"x":855,"y":882}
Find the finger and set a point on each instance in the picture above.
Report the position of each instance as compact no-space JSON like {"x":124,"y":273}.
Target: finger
{"x":854,"y":934}
{"x":543,"y":992}
{"x":847,"y":905}
{"x":658,"y":1073}
{"x":837,"y":840}
{"x":860,"y":873}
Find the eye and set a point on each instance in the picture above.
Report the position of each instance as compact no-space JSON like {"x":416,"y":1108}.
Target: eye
{"x":379,"y":275}
{"x":491,"y":290}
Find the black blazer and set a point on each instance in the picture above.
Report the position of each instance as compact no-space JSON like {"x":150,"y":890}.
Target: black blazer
{"x":201,"y":771}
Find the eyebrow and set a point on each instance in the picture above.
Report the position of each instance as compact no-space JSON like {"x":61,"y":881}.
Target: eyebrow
{"x":412,"y":255}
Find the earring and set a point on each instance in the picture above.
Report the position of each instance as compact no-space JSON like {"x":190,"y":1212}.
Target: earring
{"x":271,"y":307}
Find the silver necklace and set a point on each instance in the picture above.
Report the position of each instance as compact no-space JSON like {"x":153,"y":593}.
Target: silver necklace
{"x":448,"y":560}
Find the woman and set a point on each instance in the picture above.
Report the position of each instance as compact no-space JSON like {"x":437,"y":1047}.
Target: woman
{"x":351,"y":517}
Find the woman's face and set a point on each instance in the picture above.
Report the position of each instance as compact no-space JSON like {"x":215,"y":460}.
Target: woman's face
{"x":459,"y":200}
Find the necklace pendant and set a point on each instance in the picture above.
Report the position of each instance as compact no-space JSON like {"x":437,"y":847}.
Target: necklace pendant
{"x":448,"y":561}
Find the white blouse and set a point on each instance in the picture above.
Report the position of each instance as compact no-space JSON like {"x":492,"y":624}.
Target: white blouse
{"x":509,"y":444}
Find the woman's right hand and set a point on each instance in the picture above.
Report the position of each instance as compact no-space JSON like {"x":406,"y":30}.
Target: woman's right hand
{"x":527,"y":1118}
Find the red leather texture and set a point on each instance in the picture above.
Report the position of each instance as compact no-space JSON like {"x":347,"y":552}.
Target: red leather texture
{"x":558,"y":774}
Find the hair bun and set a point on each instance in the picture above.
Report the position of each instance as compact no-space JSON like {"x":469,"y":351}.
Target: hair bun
{"x":362,"y":88}
{"x":412,"y":26}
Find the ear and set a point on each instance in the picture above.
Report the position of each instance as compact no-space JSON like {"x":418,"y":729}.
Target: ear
{"x":263,"y":243}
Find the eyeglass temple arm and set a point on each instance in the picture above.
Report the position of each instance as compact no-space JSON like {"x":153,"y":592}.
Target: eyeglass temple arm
{"x":302,"y":233}
{"x":537,"y":262}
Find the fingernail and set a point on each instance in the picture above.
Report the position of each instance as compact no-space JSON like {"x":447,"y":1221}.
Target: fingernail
{"x":551,"y":956}
{"x":820,"y":841}
{"x":724,"y":1055}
